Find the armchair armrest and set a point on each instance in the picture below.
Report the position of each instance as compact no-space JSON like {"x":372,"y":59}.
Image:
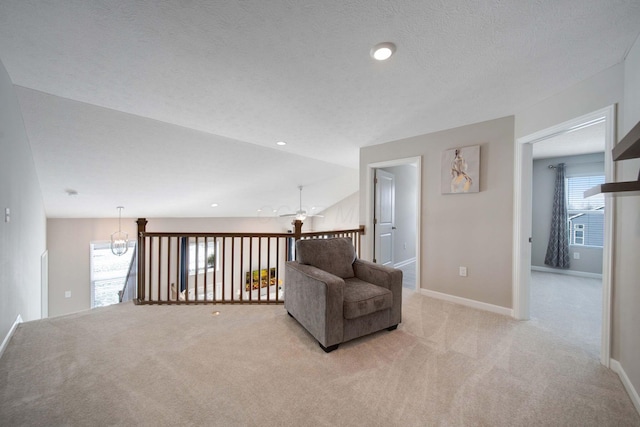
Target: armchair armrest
{"x":387,"y":277}
{"x":315,"y":299}
{"x":377,"y":274}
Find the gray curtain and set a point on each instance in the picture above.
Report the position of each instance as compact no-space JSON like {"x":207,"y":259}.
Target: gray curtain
{"x":558,"y":247}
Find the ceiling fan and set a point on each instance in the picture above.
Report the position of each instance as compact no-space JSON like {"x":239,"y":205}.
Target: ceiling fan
{"x":300,"y":214}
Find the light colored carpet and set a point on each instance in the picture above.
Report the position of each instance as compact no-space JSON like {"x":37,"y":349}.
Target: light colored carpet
{"x":409,"y":276}
{"x":446,"y":365}
{"x":570,"y":307}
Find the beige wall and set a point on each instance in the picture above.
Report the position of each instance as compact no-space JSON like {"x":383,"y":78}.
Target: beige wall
{"x":597,"y":92}
{"x":22,"y":239}
{"x":69,"y":259}
{"x":344,"y":215}
{"x":455,"y":229}
{"x":267,"y":224}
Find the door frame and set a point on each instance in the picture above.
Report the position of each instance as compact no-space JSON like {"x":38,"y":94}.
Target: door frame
{"x":522,"y":219}
{"x":367,"y":250}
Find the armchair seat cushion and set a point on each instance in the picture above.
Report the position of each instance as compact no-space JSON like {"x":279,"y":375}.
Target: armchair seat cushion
{"x":362,"y":298}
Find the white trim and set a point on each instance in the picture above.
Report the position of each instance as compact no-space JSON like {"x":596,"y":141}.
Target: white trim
{"x":44,"y":284}
{"x":405,"y":262}
{"x":367,"y":249}
{"x":522,"y":220}
{"x":6,"y":340}
{"x":468,"y":302}
{"x":633,"y":394}
{"x":607,"y":249}
{"x":567,"y":272}
{"x":522,"y":213}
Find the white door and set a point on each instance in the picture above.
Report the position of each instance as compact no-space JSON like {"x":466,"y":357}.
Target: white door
{"x":383,"y":221}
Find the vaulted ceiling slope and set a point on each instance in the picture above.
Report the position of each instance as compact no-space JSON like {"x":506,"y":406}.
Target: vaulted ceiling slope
{"x":167,"y":107}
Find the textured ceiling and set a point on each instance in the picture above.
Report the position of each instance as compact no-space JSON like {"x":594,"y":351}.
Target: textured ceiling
{"x":223,"y":81}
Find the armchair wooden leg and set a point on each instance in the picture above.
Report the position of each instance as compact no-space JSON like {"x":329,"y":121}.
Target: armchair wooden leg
{"x":328,"y":349}
{"x":391,"y":328}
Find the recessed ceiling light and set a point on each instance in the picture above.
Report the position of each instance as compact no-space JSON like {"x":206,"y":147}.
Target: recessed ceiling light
{"x":383,"y":51}
{"x":281,"y":143}
{"x":214,"y":205}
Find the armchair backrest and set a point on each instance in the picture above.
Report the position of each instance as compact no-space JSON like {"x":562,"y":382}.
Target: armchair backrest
{"x":335,"y":255}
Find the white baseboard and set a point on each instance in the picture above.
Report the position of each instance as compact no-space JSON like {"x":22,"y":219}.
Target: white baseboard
{"x":6,"y":340}
{"x":633,"y":394}
{"x":405,"y":262}
{"x":567,"y":272}
{"x":468,"y":302}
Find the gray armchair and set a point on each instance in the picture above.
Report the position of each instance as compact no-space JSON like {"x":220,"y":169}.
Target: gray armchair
{"x":337,"y":297}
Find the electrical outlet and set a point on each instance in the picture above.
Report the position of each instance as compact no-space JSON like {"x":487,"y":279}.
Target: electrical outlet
{"x":7,"y":215}
{"x":576,"y":255}
{"x":462,"y":271}
{"x":67,"y":294}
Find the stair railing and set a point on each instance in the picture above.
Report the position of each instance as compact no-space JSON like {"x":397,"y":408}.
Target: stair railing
{"x":210,"y":268}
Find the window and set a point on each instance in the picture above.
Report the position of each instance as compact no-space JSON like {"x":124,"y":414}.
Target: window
{"x":108,"y":273}
{"x":578,"y":234}
{"x":202,"y":255}
{"x":586,"y":216}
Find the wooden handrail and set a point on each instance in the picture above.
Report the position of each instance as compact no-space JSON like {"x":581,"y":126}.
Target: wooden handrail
{"x":227,"y":234}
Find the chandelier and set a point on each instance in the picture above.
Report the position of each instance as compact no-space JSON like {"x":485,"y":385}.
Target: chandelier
{"x":119,"y":240}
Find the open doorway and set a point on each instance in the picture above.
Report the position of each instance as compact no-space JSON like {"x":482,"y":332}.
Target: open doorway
{"x":394,"y":212}
{"x":566,"y":268}
{"x":534,"y":154}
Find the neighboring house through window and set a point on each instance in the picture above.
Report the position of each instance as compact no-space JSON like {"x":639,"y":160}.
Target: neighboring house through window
{"x":578,"y":234}
{"x":586,"y":216}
